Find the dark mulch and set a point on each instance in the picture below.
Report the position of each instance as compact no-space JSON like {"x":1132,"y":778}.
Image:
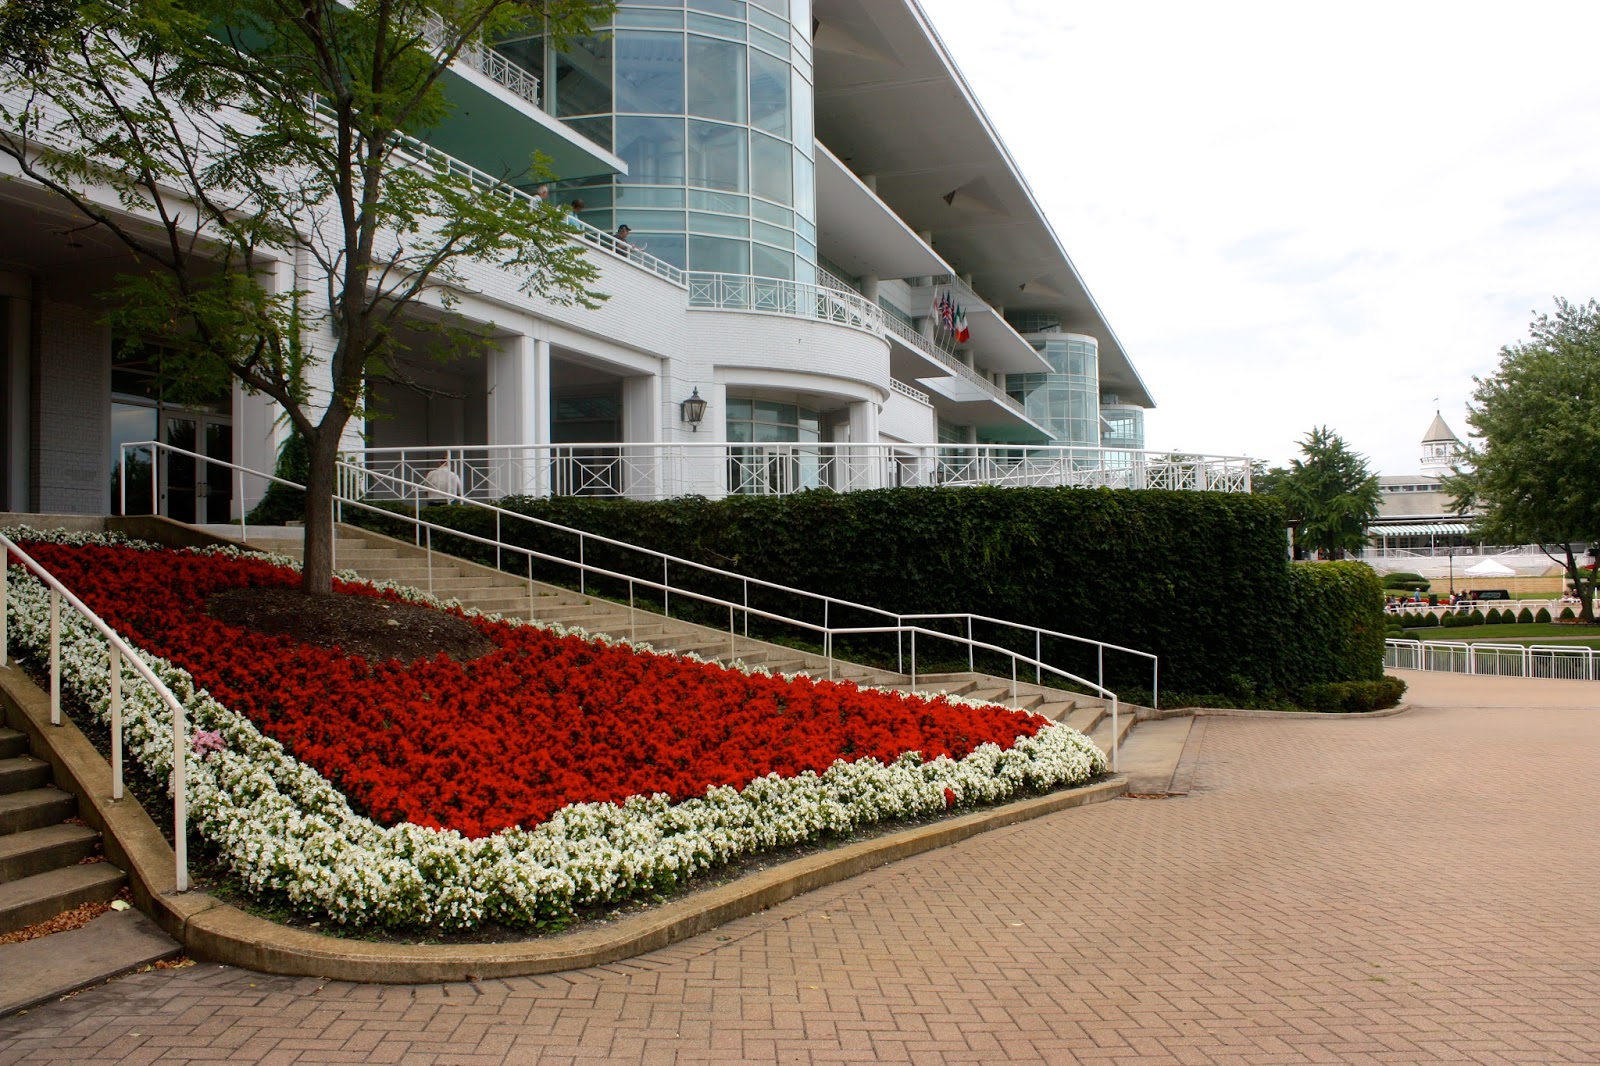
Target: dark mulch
{"x":376,"y":630}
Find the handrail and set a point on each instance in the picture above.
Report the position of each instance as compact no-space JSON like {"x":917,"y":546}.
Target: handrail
{"x":510,"y":76}
{"x":120,"y":651}
{"x":781,"y":296}
{"x":925,"y":345}
{"x":345,"y":496}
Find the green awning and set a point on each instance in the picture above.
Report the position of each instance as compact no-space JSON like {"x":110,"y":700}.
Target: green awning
{"x":1421,"y":529}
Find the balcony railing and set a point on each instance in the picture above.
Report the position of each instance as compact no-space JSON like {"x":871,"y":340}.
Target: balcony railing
{"x":485,"y":61}
{"x":778,"y":296}
{"x":926,"y":345}
{"x":663,"y":470}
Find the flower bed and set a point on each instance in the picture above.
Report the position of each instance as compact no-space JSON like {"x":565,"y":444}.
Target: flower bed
{"x":620,"y":771}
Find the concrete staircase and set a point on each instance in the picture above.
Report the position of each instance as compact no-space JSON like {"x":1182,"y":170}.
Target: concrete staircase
{"x":42,"y":871}
{"x":378,"y":557}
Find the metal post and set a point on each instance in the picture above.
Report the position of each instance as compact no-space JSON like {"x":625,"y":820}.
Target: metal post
{"x":1155,"y":684}
{"x":666,"y":591}
{"x":1100,"y":656}
{"x":55,"y":657}
{"x":632,"y":616}
{"x":732,"y":634}
{"x":180,"y":797}
{"x":1038,"y":657}
{"x":116,"y":723}
{"x":497,"y":539}
{"x":1116,"y":739}
{"x":1013,"y":681}
{"x":972,"y":651}
{"x":238,"y":499}
{"x":122,"y":479}
{"x":5,"y":598}
{"x":429,"y":530}
{"x":913,"y":660}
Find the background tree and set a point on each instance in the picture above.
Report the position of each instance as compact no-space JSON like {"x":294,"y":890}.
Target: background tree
{"x":217,"y":140}
{"x":1330,"y":494}
{"x":1533,"y":467}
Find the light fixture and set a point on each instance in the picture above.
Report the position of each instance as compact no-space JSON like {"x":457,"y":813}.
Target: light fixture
{"x":693,"y":410}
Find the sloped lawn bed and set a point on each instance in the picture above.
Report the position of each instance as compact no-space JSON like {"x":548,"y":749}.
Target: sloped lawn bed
{"x":544,"y":774}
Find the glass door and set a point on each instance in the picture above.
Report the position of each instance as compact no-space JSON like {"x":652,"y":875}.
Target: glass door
{"x":195,"y":491}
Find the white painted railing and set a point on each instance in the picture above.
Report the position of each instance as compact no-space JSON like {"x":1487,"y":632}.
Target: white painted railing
{"x":485,"y":60}
{"x":1573,"y":663}
{"x":896,"y":385}
{"x":779,"y":296}
{"x":926,"y":345}
{"x":672,"y":581}
{"x":713,"y":468}
{"x":120,"y":652}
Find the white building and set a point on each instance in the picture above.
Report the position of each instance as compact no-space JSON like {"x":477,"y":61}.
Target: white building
{"x":805,"y":180}
{"x":1415,"y":515}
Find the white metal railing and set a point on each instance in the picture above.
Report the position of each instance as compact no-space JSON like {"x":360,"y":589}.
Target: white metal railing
{"x":828,"y":607}
{"x":779,"y":296}
{"x":120,"y":652}
{"x":927,"y":346}
{"x":1500,"y":660}
{"x":484,"y":60}
{"x":1554,"y":606}
{"x":896,"y":385}
{"x":721,"y":468}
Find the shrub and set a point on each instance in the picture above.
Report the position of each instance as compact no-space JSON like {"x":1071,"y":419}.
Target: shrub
{"x":1473,"y":618}
{"x":1199,"y":578}
{"x":1346,"y":696}
{"x":1409,"y":582}
{"x":1452,"y":621}
{"x":1567,"y":615}
{"x":1525,"y":616}
{"x":1543,"y":616}
{"x":280,"y":504}
{"x":1493,"y":617}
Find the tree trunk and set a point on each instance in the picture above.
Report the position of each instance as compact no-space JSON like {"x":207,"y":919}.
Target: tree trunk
{"x":316,"y":574}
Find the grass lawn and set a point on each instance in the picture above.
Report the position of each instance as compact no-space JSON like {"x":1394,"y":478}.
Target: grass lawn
{"x":1534,"y":633}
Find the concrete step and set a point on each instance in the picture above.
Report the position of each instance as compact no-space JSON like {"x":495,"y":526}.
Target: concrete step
{"x":40,"y":970}
{"x":21,"y":773}
{"x":1085,"y":717}
{"x":12,"y":743}
{"x":1101,"y":733}
{"x":45,"y":895}
{"x":35,"y":808}
{"x":37,"y":850}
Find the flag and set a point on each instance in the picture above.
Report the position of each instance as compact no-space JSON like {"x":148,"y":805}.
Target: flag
{"x":963,"y":334}
{"x":947,"y":312}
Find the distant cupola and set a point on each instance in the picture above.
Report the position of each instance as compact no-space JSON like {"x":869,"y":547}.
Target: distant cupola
{"x":1441,"y":448}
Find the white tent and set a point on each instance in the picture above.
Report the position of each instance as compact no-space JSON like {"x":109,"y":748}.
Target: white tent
{"x":1490,"y":568}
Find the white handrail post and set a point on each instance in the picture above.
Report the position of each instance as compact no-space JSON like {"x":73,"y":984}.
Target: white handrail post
{"x":1155,"y":684}
{"x":633,"y":618}
{"x":1100,"y":657}
{"x":497,"y":540}
{"x":122,"y":479}
{"x":180,"y":796}
{"x":972,"y":651}
{"x":1038,"y":658}
{"x":116,"y":722}
{"x":155,"y":480}
{"x":1013,"y":681}
{"x":914,"y":660}
{"x":1116,"y":736}
{"x":429,"y":529}
{"x":55,"y":657}
{"x":666,"y":590}
{"x":732,"y":635}
{"x":238,"y":499}
{"x":5,"y":598}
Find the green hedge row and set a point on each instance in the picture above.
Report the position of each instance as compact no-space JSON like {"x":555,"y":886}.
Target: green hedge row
{"x":1200,"y":578}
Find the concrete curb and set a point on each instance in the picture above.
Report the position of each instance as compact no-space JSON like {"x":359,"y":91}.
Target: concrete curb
{"x":1323,"y":716}
{"x":218,"y":932}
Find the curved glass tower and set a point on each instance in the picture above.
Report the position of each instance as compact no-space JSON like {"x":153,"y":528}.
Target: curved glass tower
{"x":710,"y":103}
{"x":1066,"y":401}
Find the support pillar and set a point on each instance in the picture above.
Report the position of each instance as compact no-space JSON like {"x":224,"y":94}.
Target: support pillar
{"x":518,"y":376}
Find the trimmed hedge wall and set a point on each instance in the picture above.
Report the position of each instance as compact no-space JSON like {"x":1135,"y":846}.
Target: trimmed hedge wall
{"x":1199,"y":578}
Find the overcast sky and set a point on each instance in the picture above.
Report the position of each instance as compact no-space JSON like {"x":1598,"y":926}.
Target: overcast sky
{"x":1298,"y":215}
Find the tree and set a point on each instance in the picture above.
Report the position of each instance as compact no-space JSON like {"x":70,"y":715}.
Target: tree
{"x":219,"y":140}
{"x":1533,"y":467}
{"x":1330,"y":494}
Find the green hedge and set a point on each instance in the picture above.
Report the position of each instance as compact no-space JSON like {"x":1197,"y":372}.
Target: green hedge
{"x":1336,"y":630}
{"x":1371,"y":695}
{"x":1200,"y":578}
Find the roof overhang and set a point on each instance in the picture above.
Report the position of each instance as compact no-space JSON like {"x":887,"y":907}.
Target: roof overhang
{"x":891,"y":103}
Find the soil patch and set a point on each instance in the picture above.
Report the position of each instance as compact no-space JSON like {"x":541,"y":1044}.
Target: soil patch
{"x":373,"y":629}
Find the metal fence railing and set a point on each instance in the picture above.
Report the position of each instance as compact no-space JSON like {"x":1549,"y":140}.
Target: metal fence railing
{"x":739,"y":595}
{"x":1499,"y":660}
{"x":120,"y":653}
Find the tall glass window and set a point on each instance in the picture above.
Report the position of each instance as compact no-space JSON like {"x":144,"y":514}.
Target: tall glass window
{"x":1065,"y":401}
{"x":710,"y":104}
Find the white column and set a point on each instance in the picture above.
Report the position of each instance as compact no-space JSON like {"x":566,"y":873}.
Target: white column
{"x":518,"y":375}
{"x":865,"y":470}
{"x":258,"y":433}
{"x":643,"y":459}
{"x":16,"y":389}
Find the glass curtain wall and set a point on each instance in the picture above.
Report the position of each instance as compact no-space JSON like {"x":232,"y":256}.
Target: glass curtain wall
{"x":773,"y":470}
{"x":1065,"y":401}
{"x":710,"y":104}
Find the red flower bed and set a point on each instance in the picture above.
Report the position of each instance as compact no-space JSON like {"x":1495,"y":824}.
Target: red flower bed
{"x":506,"y":739}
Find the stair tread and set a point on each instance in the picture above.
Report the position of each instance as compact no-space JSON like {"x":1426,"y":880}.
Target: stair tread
{"x":63,"y":881}
{"x":31,"y":797}
{"x":48,"y":836}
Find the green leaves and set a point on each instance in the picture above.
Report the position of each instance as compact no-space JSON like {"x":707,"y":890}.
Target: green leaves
{"x":1329,"y":492}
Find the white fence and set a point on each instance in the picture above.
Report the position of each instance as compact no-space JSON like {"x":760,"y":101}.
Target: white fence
{"x":1499,"y":660}
{"x":713,"y":468}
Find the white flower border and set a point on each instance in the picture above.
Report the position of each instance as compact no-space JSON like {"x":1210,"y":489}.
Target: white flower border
{"x":288,"y":834}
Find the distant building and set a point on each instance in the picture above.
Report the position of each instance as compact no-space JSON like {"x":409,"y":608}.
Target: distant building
{"x":1415,"y":515}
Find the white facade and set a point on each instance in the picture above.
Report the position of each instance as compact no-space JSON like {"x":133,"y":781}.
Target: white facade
{"x":845,"y":346}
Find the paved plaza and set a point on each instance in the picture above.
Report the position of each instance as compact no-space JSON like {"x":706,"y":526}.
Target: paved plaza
{"x":1416,"y":888}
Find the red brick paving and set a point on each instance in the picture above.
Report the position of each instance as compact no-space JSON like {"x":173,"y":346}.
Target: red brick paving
{"x":1418,"y":888}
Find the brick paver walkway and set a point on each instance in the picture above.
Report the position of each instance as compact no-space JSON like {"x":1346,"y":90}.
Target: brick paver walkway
{"x":1418,"y":888}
